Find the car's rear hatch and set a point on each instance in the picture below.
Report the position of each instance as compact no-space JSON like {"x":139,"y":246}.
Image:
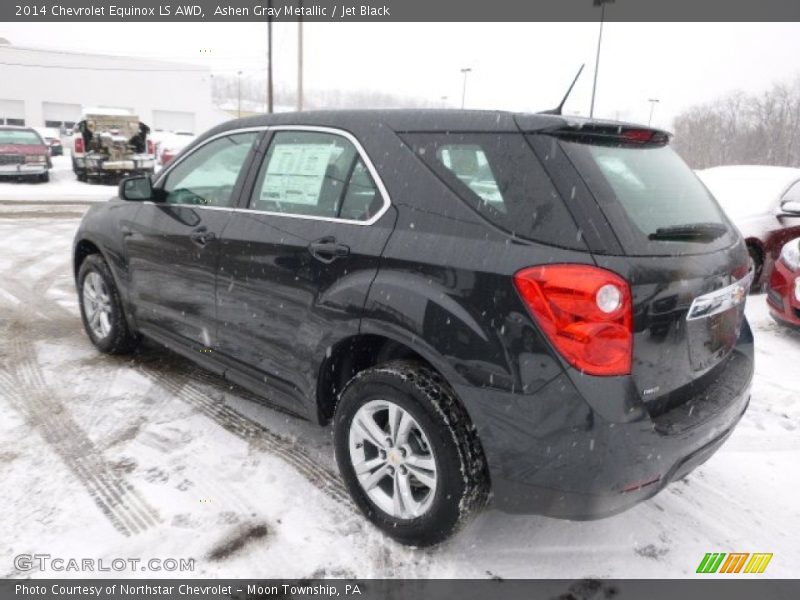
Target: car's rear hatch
{"x":647,"y":217}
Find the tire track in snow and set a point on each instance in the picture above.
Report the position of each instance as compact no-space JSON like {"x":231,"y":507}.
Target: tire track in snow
{"x":255,"y":434}
{"x":22,"y":382}
{"x":29,"y":394}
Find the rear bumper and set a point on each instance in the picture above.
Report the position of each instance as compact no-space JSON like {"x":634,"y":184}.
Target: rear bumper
{"x":553,"y":453}
{"x":782,"y":299}
{"x":22,"y":170}
{"x":98,"y":166}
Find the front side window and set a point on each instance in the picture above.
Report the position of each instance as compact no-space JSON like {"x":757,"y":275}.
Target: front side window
{"x":208,"y":176}
{"x":315,"y":174}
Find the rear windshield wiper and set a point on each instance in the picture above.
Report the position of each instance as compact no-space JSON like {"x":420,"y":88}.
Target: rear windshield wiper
{"x":693,"y":231}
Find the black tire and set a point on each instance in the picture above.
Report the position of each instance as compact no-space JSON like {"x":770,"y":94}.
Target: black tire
{"x":44,"y":177}
{"x":462,"y":486}
{"x":119,"y":339}
{"x":757,"y":263}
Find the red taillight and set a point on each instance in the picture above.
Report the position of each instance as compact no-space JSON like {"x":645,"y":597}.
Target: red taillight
{"x":638,"y":135}
{"x":79,"y":144}
{"x":586,"y":313}
{"x":150,"y":147}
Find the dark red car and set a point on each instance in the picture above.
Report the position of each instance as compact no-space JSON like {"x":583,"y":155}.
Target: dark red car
{"x":24,"y":154}
{"x":171,"y":145}
{"x":783,"y":293}
{"x":764,"y":203}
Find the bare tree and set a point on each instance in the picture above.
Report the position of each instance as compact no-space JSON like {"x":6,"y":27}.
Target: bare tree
{"x":739,"y":128}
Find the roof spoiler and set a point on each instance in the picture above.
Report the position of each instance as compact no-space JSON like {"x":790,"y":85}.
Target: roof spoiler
{"x":610,"y":133}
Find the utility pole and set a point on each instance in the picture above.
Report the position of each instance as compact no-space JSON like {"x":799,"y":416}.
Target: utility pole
{"x":269,"y":57}
{"x":300,"y":61}
{"x":239,"y":93}
{"x":465,"y":72}
{"x":602,"y":5}
{"x":652,"y":102}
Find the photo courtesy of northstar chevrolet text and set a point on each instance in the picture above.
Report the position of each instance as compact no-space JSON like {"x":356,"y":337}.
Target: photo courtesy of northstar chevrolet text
{"x":310,"y":294}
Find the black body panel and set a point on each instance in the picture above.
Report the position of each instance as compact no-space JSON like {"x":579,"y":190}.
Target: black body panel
{"x":172,"y":252}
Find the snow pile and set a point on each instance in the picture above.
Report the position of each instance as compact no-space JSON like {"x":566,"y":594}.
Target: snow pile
{"x":745,"y":191}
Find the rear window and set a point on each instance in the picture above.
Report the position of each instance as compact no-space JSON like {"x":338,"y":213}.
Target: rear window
{"x":19,"y":136}
{"x":500,"y":177}
{"x":650,"y":196}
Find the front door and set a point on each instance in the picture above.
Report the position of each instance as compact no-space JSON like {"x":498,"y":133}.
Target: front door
{"x":173,"y":245}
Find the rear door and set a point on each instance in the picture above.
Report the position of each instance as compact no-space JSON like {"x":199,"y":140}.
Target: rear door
{"x":687,"y":266}
{"x":298,"y":259}
{"x":173,"y":245}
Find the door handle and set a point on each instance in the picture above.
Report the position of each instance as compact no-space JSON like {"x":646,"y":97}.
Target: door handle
{"x":327,"y":249}
{"x":201,"y":236}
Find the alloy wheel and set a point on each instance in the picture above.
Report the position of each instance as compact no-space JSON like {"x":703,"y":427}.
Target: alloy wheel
{"x":392,"y":459}
{"x":97,"y":305}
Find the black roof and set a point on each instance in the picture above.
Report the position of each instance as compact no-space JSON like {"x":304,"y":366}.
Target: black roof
{"x":401,"y":120}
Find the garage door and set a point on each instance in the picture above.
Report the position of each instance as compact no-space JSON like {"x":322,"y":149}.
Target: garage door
{"x":57,"y":113}
{"x":173,"y":120}
{"x":12,"y":112}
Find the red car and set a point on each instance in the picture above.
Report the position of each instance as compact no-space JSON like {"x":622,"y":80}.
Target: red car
{"x":764,"y":203}
{"x":23,"y":154}
{"x":783,"y":293}
{"x":171,"y":146}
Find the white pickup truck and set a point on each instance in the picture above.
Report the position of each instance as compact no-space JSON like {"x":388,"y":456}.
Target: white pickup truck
{"x":108,"y":146}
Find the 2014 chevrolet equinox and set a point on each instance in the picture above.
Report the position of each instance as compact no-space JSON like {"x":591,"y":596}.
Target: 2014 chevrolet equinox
{"x":543,"y":310}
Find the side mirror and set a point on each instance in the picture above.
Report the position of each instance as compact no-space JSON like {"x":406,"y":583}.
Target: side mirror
{"x":790,"y":208}
{"x":137,"y":188}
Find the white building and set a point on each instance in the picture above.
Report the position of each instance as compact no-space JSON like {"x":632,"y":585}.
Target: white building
{"x":48,"y":88}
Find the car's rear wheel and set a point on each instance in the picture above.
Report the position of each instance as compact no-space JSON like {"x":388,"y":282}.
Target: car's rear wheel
{"x":101,"y":308}
{"x":408,"y":454}
{"x":44,"y":177}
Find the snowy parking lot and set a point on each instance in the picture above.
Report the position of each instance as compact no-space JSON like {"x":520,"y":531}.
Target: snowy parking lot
{"x":150,"y":457}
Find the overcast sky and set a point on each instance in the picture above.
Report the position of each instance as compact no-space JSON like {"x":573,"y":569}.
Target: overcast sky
{"x":517,"y":66}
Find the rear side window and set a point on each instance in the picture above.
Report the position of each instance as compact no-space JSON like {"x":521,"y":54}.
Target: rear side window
{"x":651,"y":198}
{"x":499,"y":176}
{"x":315,"y":174}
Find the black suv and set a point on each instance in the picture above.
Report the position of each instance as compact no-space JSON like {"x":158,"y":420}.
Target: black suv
{"x":540,"y":310}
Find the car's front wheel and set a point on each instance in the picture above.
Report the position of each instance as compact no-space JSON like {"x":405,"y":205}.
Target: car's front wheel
{"x":101,"y":308}
{"x":408,"y":454}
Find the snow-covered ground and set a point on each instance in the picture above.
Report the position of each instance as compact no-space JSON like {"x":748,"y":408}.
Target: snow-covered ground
{"x":149,"y":457}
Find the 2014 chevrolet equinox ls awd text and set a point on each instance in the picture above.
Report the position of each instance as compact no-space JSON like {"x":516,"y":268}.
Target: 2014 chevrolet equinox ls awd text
{"x":541,"y":310}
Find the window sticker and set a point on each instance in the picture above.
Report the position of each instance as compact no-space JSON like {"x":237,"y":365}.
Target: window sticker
{"x":296,"y":172}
